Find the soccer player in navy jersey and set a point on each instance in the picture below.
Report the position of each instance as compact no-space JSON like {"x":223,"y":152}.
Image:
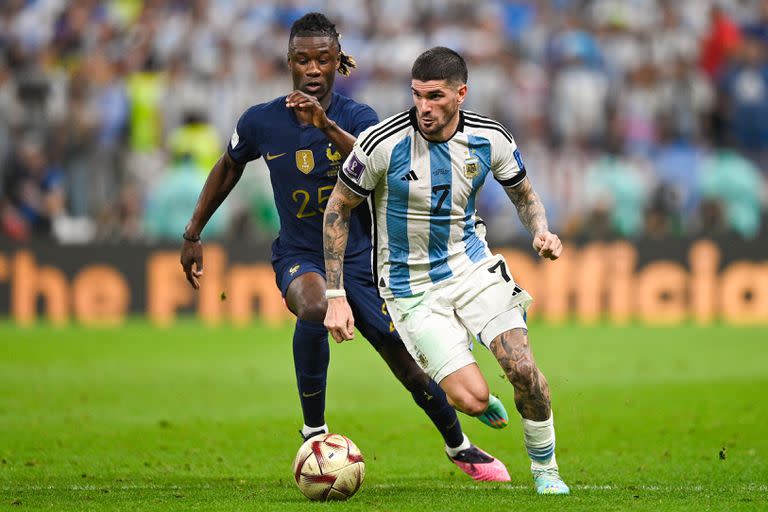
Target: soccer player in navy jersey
{"x":304,"y":138}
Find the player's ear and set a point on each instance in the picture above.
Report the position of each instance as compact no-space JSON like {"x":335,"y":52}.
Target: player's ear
{"x":461,"y":93}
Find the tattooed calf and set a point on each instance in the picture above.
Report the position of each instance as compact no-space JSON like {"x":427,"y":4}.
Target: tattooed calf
{"x":513,"y":352}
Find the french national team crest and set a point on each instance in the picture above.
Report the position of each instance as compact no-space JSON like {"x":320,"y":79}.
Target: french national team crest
{"x":334,"y":159}
{"x":471,"y":167}
{"x":305,"y":161}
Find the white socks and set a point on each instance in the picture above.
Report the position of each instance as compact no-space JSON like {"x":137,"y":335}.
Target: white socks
{"x":540,"y":442}
{"x":452,"y":452}
{"x":305,"y":430}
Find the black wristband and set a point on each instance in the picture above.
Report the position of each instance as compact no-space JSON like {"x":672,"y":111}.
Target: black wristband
{"x":188,"y":238}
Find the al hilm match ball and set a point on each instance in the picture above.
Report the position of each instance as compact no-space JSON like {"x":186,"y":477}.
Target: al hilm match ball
{"x":329,"y":467}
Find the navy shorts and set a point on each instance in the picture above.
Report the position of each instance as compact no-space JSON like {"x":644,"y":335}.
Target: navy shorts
{"x":371,"y":316}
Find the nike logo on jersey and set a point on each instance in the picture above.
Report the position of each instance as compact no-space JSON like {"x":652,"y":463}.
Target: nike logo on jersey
{"x":272,"y":157}
{"x":411,"y":176}
{"x":307,"y":395}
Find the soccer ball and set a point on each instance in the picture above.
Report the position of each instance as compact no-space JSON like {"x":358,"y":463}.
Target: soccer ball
{"x":329,"y":467}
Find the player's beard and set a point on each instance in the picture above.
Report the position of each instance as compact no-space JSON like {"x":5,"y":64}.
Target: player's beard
{"x":437,"y":126}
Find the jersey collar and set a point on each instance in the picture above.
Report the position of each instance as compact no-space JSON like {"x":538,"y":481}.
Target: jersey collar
{"x":415,"y":124}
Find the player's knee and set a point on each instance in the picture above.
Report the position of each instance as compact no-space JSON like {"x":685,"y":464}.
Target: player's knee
{"x":525,"y":372}
{"x":312,"y":311}
{"x":473,"y":404}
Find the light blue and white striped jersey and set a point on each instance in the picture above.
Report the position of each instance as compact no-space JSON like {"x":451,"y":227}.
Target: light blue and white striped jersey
{"x":423,"y":196}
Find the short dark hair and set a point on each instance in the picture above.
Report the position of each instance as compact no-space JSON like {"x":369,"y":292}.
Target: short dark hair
{"x":317,"y":24}
{"x":440,"y":63}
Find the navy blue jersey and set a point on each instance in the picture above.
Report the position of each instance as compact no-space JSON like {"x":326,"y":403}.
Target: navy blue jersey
{"x":303,"y":166}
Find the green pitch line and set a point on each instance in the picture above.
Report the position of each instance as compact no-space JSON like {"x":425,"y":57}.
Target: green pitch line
{"x":194,"y":418}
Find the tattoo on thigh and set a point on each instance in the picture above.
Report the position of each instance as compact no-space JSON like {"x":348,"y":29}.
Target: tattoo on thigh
{"x":513,"y":352}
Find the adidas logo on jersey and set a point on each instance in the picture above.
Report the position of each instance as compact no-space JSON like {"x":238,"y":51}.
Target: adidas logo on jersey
{"x":411,"y":176}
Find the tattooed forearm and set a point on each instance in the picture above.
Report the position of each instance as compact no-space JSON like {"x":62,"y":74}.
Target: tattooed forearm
{"x":336,"y":233}
{"x":530,"y":209}
{"x":513,"y":352}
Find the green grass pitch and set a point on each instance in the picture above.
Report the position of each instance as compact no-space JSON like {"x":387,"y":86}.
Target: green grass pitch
{"x":196,"y":418}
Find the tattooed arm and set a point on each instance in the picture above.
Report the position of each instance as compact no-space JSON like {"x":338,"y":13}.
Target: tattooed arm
{"x":529,"y":207}
{"x":336,"y":232}
{"x":338,"y":317}
{"x":531,"y":212}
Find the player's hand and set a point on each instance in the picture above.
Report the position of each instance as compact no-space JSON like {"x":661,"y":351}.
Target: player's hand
{"x":308,"y":109}
{"x":339,"y":320}
{"x":548,"y":245}
{"x":192,"y":253}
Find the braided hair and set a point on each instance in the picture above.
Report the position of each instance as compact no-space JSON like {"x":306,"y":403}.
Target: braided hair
{"x":316,"y":24}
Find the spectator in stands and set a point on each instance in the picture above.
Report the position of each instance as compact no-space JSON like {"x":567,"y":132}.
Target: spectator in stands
{"x":662,"y":215}
{"x":145,"y":86}
{"x":124,"y":221}
{"x":744,"y":90}
{"x":686,"y":100}
{"x":197,"y":139}
{"x":7,"y":103}
{"x":78,"y":141}
{"x":638,"y":108}
{"x":579,"y":97}
{"x":110,"y":100}
{"x":733,"y":181}
{"x":757,"y":28}
{"x":677,"y":164}
{"x":711,"y":221}
{"x":616,"y":189}
{"x":721,"y":40}
{"x":33,"y":188}
{"x":108,"y":83}
{"x":174,"y":196}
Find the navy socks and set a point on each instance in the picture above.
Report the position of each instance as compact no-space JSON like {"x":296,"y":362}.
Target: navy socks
{"x":311,"y":356}
{"x":435,"y":404}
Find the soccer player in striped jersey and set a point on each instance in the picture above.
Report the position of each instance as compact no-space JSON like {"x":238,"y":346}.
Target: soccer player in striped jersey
{"x":304,"y":137}
{"x":422,"y":170}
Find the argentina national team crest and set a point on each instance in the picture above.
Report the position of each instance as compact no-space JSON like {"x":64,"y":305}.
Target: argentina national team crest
{"x":305,"y":161}
{"x":471,"y":167}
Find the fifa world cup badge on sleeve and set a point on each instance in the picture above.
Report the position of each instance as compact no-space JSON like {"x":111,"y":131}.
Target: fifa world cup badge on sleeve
{"x":471,"y":167}
{"x":354,"y":167}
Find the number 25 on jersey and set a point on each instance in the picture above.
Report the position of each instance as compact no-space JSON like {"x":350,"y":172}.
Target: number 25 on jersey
{"x":303,"y":197}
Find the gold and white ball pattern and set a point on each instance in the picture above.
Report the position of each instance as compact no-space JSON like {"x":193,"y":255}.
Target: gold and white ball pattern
{"x":328,"y":467}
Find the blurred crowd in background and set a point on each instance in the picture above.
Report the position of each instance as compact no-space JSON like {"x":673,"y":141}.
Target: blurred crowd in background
{"x":635,"y":118}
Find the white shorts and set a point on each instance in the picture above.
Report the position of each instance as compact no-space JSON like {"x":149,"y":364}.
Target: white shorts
{"x":438,"y":326}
